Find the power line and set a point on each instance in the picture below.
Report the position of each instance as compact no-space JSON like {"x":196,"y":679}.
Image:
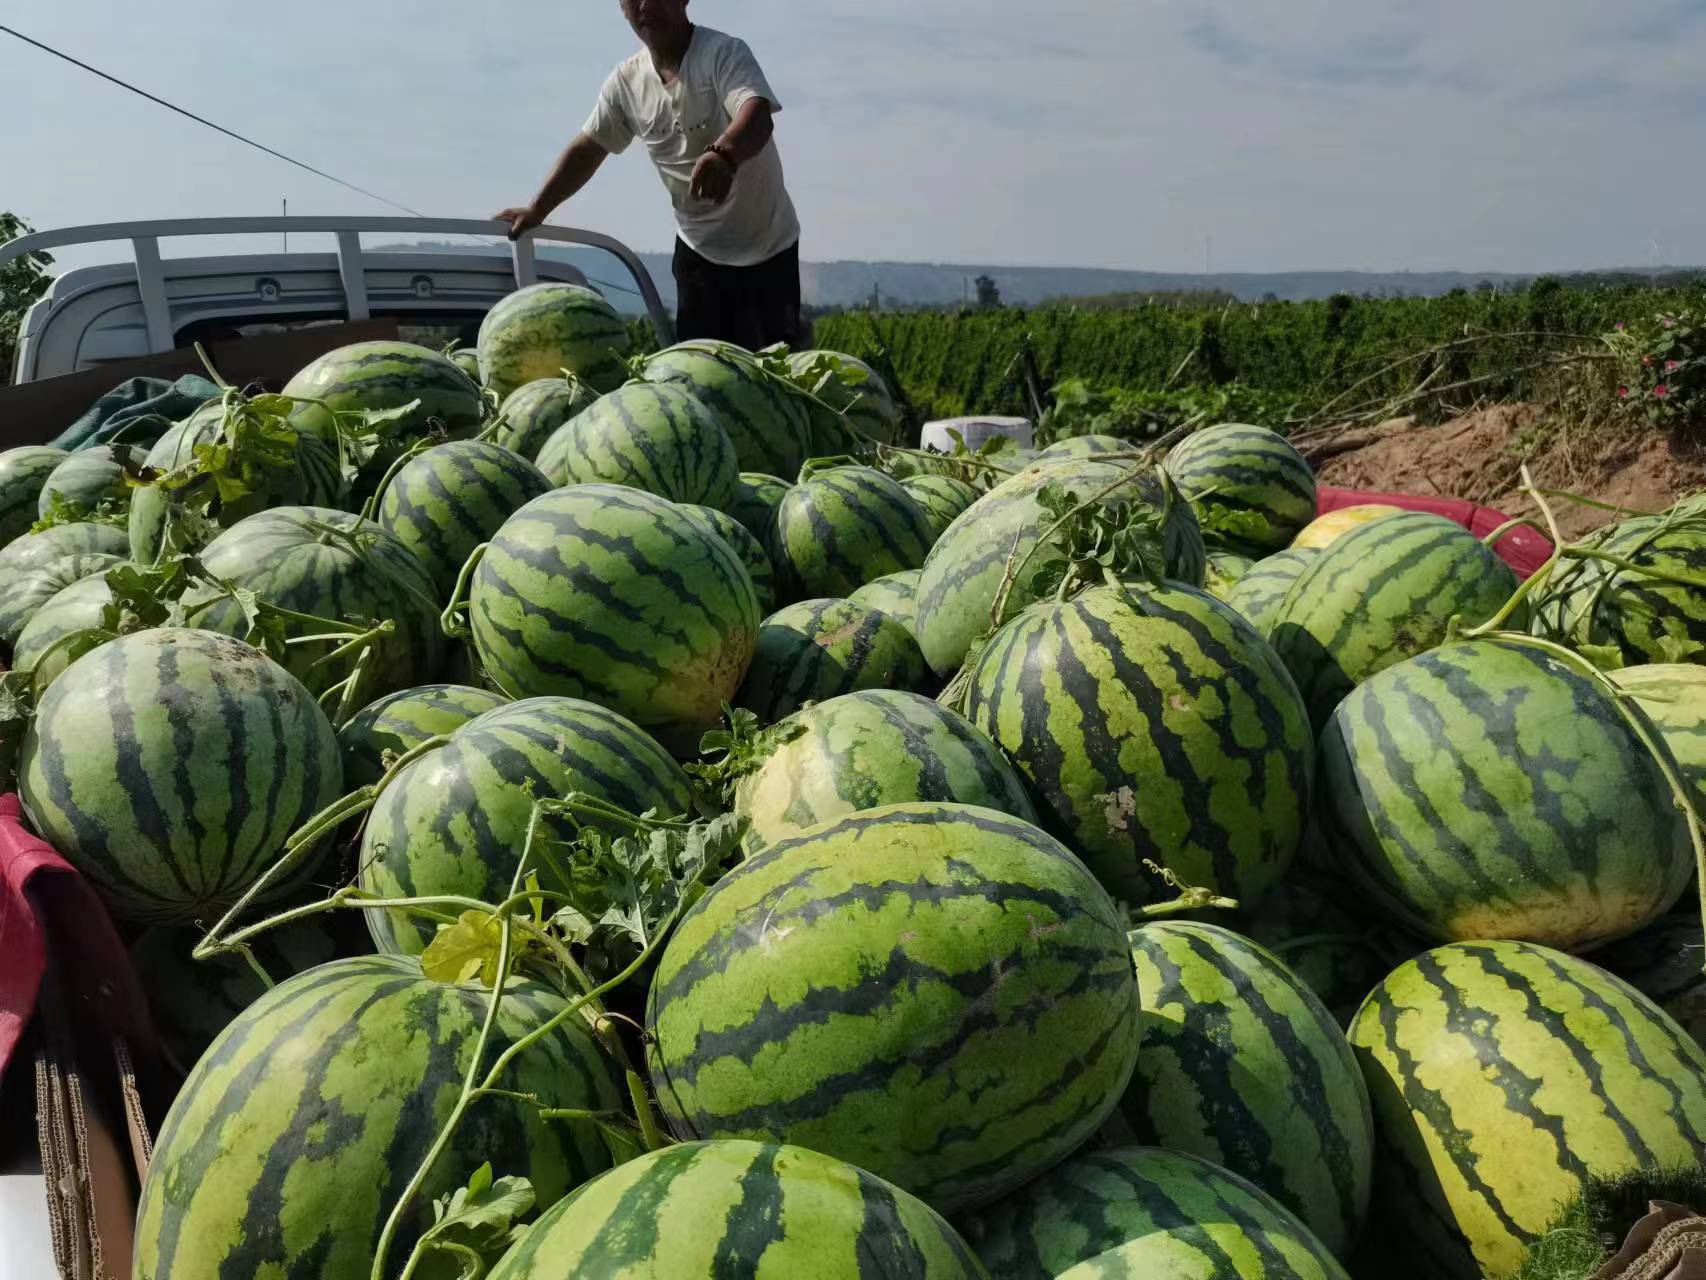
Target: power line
{"x":202,"y":120}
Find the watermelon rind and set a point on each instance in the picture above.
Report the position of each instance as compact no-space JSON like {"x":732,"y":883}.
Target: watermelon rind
{"x":535,"y":412}
{"x":756,"y":498}
{"x":1252,"y":489}
{"x":765,"y":417}
{"x":399,"y":722}
{"x":23,"y":474}
{"x":30,"y":590}
{"x":1262,"y":589}
{"x":942,"y":499}
{"x":546,"y":329}
{"x":895,"y":594}
{"x":820,"y":649}
{"x":852,"y":406}
{"x":92,"y":477}
{"x":751,"y":552}
{"x":846,"y":527}
{"x":658,"y":438}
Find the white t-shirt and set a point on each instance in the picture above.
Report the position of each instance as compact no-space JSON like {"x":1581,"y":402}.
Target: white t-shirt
{"x":678,"y":121}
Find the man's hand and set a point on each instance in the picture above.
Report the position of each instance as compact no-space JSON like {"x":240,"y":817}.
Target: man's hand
{"x":521,"y":221}
{"x":713,"y":178}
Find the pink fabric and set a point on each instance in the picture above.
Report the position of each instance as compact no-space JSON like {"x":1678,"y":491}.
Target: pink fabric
{"x":42,"y":897}
{"x":1524,"y":549}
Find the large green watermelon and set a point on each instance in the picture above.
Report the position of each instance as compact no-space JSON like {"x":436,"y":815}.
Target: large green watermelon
{"x":750,"y":550}
{"x":845,"y":527}
{"x":764,"y":415}
{"x":466,"y":359}
{"x":942,"y":499}
{"x":1503,"y":1075}
{"x":1664,"y":963}
{"x":1152,"y":724}
{"x":386,"y":374}
{"x":1139,"y":1213}
{"x":169,"y":767}
{"x":292,"y":1139}
{"x":1251,"y":489}
{"x":451,"y":498}
{"x":91,"y":477}
{"x":820,"y":649}
{"x":1384,"y":592}
{"x":939,"y":994}
{"x":332,"y":564}
{"x":895,"y":594}
{"x":740,"y":1211}
{"x":546,"y":329}
{"x":857,"y":406}
{"x":1241,"y":1064}
{"x":1262,"y":589}
{"x":1488,"y":790}
{"x":79,"y":607}
{"x":1674,"y":697}
{"x":659,"y":438}
{"x":622,"y":598}
{"x":33,"y":550}
{"x":455,"y":821}
{"x":537,"y":411}
{"x":23,"y":473}
{"x":869,"y":749}
{"x":966,"y":567}
{"x":1091,"y":446}
{"x":28,"y":591}
{"x":1224,"y":571}
{"x":399,"y":722}
{"x":756,"y":498}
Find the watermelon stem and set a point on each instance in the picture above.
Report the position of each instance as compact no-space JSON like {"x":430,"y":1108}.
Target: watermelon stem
{"x":370,"y":508}
{"x":450,"y":621}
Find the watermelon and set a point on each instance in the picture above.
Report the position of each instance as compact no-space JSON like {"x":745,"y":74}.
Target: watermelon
{"x":1674,"y":697}
{"x":78,"y":607}
{"x":399,"y":722}
{"x":752,"y":1210}
{"x":820,"y":649}
{"x":1136,"y":1213}
{"x":1251,"y":489}
{"x":1152,"y":725}
{"x":1324,"y":531}
{"x":368,"y":376}
{"x":765,"y":416}
{"x":33,"y":550}
{"x":965,"y":569}
{"x":1488,"y":790}
{"x":1666,"y":962}
{"x":29,"y":590}
{"x":662,"y":439}
{"x":1383,"y":593}
{"x":545,"y":330}
{"x":842,"y":528}
{"x":466,"y":359}
{"x":23,"y":474}
{"x":1262,"y":589}
{"x":1224,"y":571}
{"x":751,"y":552}
{"x":942,"y":499}
{"x":91,"y":477}
{"x":869,"y":749}
{"x":451,"y":498}
{"x":1503,"y":1075}
{"x":939,"y":994}
{"x":1092,"y":446}
{"x":755,"y":502}
{"x":895,"y":594}
{"x":335,"y":565}
{"x":1242,"y":1065}
{"x":537,"y":411}
{"x":293,"y":1137}
{"x":619,"y":597}
{"x":455,"y":820}
{"x":856,"y":404}
{"x":169,"y":767}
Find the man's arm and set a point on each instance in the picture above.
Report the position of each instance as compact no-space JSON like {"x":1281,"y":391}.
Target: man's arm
{"x":748,"y":134}
{"x":574,"y":169}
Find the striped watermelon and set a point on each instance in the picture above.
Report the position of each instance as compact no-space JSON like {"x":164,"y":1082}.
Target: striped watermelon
{"x":1092,"y":446}
{"x":942,"y":499}
{"x":619,"y":597}
{"x":1152,"y":724}
{"x":869,"y":749}
{"x":331,"y":564}
{"x":399,"y":722}
{"x":91,"y":477}
{"x":169,"y":766}
{"x":455,"y":821}
{"x":295,"y":1134}
{"x":844,"y":527}
{"x":537,"y":411}
{"x":1488,"y":790}
{"x":755,"y":502}
{"x":751,"y":552}
{"x":1381,"y":594}
{"x":79,"y":607}
{"x":1138,"y":1213}
{"x":23,"y":474}
{"x":765,"y":416}
{"x":1241,"y":1064}
{"x":1224,"y":571}
{"x":1324,"y":531}
{"x":662,"y":439}
{"x":29,"y":590}
{"x":1260,"y":592}
{"x":740,"y":1211}
{"x":1674,"y":697}
{"x":939,"y":994}
{"x":368,"y":376}
{"x":895,"y":594}
{"x":467,"y":359}
{"x":1503,"y":1075}
{"x":964,"y":571}
{"x":1251,"y":489}
{"x":453,"y":497}
{"x":34,"y":550}
{"x":546,"y":329}
{"x":821,"y":649}
{"x":1666,"y":962}
{"x":857,"y":404}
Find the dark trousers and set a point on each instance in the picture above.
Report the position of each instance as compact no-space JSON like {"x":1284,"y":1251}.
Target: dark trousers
{"x":753,"y":307}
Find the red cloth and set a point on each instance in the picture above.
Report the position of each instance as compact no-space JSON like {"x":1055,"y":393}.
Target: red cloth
{"x":41,"y":898}
{"x":1523,"y":549}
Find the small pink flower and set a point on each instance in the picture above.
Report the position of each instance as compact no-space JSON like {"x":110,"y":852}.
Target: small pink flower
{"x":1620,"y":326}
{"x":1671,"y":366}
{"x":1622,"y":393}
{"x":1670,"y":322}
{"x":1646,"y":362}
{"x":1661,"y":391}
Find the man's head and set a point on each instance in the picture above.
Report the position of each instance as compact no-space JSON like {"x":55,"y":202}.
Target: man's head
{"x":652,"y":18}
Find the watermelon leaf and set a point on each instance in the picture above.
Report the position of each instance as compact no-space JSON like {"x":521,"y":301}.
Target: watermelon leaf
{"x":473,"y":1226}
{"x":63,"y":510}
{"x":734,"y":752}
{"x":468,"y":950}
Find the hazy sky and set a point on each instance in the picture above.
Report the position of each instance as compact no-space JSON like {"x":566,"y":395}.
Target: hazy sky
{"x":1478,"y":134}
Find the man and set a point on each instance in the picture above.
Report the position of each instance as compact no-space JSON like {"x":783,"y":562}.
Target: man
{"x":698,"y":100}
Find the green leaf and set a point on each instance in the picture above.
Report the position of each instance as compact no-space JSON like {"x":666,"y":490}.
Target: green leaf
{"x":466,"y":950}
{"x":474,"y":1226}
{"x":1606,"y":657}
{"x":733,"y":752}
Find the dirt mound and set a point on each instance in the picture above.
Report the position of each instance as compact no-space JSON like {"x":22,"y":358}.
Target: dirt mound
{"x":1480,"y":456}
